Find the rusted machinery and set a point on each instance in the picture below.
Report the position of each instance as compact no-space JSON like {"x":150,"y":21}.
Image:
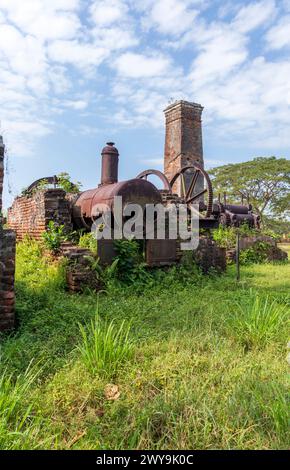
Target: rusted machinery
{"x":91,"y":204}
{"x":235,"y":215}
{"x":211,"y":213}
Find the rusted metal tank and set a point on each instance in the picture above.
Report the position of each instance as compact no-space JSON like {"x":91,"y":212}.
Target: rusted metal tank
{"x":93,"y":203}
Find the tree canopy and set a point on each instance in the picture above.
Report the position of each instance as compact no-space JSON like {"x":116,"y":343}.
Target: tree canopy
{"x":264,"y":182}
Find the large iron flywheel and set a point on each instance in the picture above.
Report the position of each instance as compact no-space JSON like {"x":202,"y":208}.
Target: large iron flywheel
{"x":196,"y":189}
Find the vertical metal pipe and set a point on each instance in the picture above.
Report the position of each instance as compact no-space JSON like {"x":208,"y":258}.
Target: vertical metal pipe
{"x":238,"y":255}
{"x":110,"y":162}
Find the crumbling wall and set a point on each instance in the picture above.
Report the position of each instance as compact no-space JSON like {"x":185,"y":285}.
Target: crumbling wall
{"x":79,"y":272}
{"x":210,"y":256}
{"x":30,"y":215}
{"x":271,"y":250}
{"x":7,"y":262}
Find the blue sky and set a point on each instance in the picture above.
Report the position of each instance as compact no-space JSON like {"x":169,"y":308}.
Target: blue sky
{"x":75,"y":74}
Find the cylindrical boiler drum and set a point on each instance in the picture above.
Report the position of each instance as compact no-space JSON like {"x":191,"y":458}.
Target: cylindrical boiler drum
{"x":235,"y":209}
{"x":93,"y":203}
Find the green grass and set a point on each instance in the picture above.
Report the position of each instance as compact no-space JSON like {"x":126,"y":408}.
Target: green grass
{"x":199,"y":361}
{"x":259,"y":321}
{"x":105,"y":347}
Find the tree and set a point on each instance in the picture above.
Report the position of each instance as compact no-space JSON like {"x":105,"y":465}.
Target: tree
{"x":263,"y":182}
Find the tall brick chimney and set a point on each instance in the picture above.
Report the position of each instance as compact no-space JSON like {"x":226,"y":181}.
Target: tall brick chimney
{"x":183,"y":140}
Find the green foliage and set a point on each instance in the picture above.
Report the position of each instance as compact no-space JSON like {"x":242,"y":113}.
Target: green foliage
{"x":263,"y":181}
{"x":106,"y":275}
{"x":276,"y":227}
{"x":65,"y":183}
{"x":87,"y":240}
{"x":188,"y":373}
{"x":131,"y":266}
{"x":105,"y":346}
{"x":258,"y":253}
{"x":18,"y":425}
{"x":225,"y":237}
{"x":258,"y":320}
{"x":54,"y":236}
{"x":43,"y":184}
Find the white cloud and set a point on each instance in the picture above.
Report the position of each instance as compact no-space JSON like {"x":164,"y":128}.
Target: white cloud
{"x":19,"y":49}
{"x":106,"y":12}
{"x":171,"y":17}
{"x":134,"y":65}
{"x":252,"y":104}
{"x":43,"y":19}
{"x":78,"y":54}
{"x":279,"y":35}
{"x":221,"y":51}
{"x":143,"y":53}
{"x":78,"y":105}
{"x":254,"y":15}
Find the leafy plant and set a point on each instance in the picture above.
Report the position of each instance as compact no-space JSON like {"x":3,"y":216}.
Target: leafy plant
{"x":54,"y":236}
{"x":87,"y":240}
{"x":259,"y":320}
{"x":105,"y":346}
{"x":104,"y":274}
{"x":131,"y":265}
{"x":225,"y":237}
{"x":258,"y":253}
{"x":64,"y":182}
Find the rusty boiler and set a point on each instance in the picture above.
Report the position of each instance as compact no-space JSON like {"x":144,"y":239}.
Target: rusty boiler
{"x":92,"y":203}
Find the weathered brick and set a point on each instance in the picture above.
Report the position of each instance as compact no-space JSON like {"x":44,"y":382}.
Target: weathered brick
{"x":7,"y":262}
{"x":183,"y":140}
{"x":31,"y":215}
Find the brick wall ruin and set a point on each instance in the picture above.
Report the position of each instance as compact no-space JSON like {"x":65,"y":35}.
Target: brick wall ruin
{"x":7,"y":262}
{"x":30,"y":215}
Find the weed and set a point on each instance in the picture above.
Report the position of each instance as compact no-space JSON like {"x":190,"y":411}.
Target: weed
{"x":259,"y":320}
{"x":105,"y":346}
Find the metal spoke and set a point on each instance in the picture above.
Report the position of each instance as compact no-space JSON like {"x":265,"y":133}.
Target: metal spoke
{"x":183,"y":190}
{"x":197,"y":196}
{"x":192,"y":184}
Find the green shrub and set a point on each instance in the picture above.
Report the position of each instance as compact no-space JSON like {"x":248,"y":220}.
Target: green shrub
{"x":87,"y":240}
{"x":105,"y":346}
{"x":225,"y":237}
{"x":54,"y":236}
{"x":258,"y":253}
{"x":104,"y":274}
{"x":131,"y":266}
{"x":259,"y":320}
{"x":64,"y":182}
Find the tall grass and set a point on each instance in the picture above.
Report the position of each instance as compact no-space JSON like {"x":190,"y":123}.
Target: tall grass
{"x":259,"y":320}
{"x":18,"y":426}
{"x":105,"y":346}
{"x":189,"y":383}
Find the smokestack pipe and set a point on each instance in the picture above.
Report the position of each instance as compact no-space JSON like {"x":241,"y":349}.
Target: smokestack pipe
{"x":110,"y":161}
